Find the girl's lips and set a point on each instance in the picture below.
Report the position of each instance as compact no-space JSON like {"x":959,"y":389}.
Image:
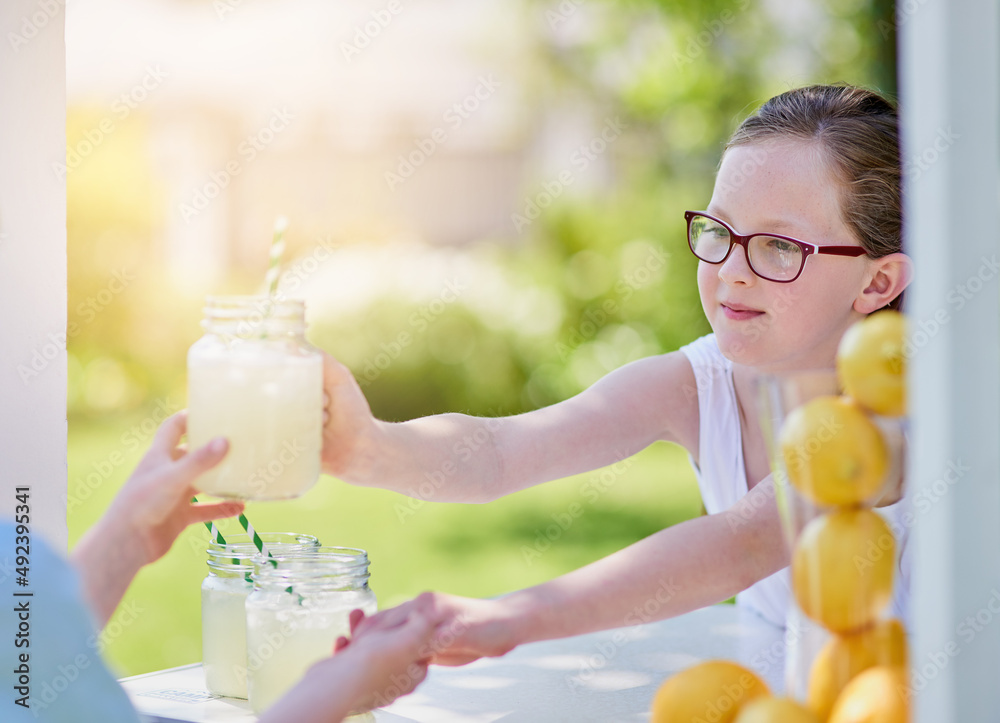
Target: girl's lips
{"x":740,"y":314}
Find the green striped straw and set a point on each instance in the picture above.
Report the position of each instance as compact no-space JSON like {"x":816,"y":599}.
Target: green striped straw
{"x":277,"y":251}
{"x":257,"y":542}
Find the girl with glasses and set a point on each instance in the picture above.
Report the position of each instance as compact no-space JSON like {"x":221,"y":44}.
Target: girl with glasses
{"x":801,"y":238}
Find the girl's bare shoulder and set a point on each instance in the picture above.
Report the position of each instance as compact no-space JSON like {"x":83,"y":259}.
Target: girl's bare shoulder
{"x":661,"y":389}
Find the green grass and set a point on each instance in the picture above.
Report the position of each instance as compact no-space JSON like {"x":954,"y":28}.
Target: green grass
{"x":476,"y":550}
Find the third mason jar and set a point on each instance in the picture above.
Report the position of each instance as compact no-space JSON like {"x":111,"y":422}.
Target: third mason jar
{"x":254,"y":379}
{"x":298,"y":608}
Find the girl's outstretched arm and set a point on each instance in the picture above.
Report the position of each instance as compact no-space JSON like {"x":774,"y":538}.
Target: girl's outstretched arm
{"x":679,"y":569}
{"x":459,"y":458}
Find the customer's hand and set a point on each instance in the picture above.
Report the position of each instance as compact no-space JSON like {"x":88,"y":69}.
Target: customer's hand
{"x":465,"y":629}
{"x":370,"y":671}
{"x":156,"y":499}
{"x":147,"y":515}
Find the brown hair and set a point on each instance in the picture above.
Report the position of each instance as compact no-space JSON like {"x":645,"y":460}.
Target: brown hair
{"x":858,"y":132}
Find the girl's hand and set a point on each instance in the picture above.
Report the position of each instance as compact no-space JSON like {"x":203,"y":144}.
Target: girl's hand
{"x":348,"y":425}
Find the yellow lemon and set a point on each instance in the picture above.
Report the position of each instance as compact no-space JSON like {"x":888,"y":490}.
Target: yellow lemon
{"x":711,"y":691}
{"x":844,"y":656}
{"x":834,"y":454}
{"x":842,"y":569}
{"x":878,"y":695}
{"x":871,"y":363}
{"x":775,"y":710}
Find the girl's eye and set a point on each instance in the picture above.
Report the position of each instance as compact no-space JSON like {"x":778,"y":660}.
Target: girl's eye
{"x":782,"y":246}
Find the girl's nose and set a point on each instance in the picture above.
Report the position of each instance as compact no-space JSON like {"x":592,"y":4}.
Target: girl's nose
{"x":736,"y":269}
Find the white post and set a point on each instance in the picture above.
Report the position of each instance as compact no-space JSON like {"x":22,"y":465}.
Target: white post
{"x":950,"y":81}
{"x":33,"y":264}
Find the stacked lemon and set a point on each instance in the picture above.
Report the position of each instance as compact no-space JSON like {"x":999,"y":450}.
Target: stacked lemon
{"x":844,"y":559}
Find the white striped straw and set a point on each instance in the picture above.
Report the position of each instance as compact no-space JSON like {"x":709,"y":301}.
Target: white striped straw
{"x":277,"y":251}
{"x":258,"y":543}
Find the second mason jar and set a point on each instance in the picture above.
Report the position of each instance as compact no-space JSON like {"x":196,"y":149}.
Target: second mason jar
{"x":223,"y":607}
{"x":254,"y":379}
{"x":298,"y":608}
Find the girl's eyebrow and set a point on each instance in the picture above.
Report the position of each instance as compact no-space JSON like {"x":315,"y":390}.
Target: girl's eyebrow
{"x":771,"y":225}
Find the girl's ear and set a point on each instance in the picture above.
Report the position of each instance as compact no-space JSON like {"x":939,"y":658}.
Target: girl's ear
{"x":887,"y":277}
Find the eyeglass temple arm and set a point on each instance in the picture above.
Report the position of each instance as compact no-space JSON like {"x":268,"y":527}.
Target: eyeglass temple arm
{"x":840,"y":250}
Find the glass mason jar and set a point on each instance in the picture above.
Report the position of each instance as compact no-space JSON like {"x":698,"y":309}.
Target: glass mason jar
{"x":254,"y":379}
{"x":839,"y":485}
{"x":224,"y":593}
{"x":298,"y":608}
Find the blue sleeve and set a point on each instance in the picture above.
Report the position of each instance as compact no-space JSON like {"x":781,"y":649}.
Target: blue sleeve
{"x":50,"y":666}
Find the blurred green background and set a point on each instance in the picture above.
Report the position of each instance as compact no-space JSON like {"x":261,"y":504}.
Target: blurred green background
{"x":536,"y":329}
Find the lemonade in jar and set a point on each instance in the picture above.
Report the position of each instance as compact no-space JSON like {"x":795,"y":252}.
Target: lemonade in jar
{"x":224,"y":593}
{"x":254,"y":379}
{"x":299,"y":606}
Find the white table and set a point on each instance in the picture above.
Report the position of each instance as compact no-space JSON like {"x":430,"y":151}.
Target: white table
{"x":606,"y":676}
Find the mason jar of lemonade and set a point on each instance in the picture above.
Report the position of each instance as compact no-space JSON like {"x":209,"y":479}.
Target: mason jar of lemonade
{"x":298,"y":608}
{"x":224,"y":593}
{"x":254,"y":379}
{"x":839,"y":486}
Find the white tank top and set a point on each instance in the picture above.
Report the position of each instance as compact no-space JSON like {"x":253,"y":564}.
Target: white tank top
{"x":722,"y":477}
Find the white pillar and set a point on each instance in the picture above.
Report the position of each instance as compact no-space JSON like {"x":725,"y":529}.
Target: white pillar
{"x":33,"y":264}
{"x":949,"y":93}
